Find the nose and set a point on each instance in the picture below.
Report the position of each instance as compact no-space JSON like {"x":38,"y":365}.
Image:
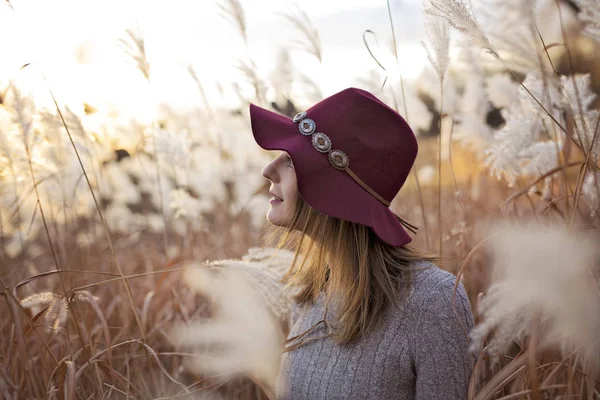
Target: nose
{"x":269,"y":171}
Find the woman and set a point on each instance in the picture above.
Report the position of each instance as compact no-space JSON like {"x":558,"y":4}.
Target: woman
{"x":378,"y":319}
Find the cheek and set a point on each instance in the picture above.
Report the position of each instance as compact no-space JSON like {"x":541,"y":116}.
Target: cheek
{"x":290,"y":194}
{"x":291,"y":187}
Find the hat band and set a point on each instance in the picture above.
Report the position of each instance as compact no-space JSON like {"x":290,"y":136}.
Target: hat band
{"x":338,"y":159}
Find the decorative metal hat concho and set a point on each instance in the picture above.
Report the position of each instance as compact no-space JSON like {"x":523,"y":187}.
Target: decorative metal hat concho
{"x":321,"y":142}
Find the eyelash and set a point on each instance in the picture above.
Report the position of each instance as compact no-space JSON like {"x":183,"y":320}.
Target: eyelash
{"x":289,"y":161}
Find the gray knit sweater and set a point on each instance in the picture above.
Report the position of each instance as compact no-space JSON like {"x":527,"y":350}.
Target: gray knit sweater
{"x":417,"y":352}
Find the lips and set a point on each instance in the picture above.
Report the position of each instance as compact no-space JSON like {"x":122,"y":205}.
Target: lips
{"x":274,"y":197}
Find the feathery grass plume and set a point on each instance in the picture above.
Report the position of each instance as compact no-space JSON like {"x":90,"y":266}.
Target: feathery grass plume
{"x":120,"y":219}
{"x":249,"y":71}
{"x":546,"y":93}
{"x":590,"y":15}
{"x":511,"y":28}
{"x":274,"y":264}
{"x":510,"y":154}
{"x":578,"y":90}
{"x":135,"y":48}
{"x":578,"y":85}
{"x":461,"y":18}
{"x":173,"y":149}
{"x":426,"y":174}
{"x":278,"y":260}
{"x":117,"y":186}
{"x":591,"y":190}
{"x":264,"y":279}
{"x":311,"y":88}
{"x":282,"y":78}
{"x":506,"y":155}
{"x":428,"y":87}
{"x":586,"y":126}
{"x":24,"y":109}
{"x":437,"y":45}
{"x":185,"y":205}
{"x":192,"y":71}
{"x":542,"y":281}
{"x":502,"y":90}
{"x":57,"y":307}
{"x":244,"y":337}
{"x":12,"y":160}
{"x":56,"y":314}
{"x":473,"y":130}
{"x":541,"y":157}
{"x":300,"y":20}
{"x":233,"y":12}
{"x":6,"y":150}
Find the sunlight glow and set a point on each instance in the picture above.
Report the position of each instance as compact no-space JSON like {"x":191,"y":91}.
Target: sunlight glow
{"x":76,"y":45}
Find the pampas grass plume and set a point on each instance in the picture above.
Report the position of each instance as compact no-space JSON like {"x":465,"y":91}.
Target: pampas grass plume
{"x":542,"y":279}
{"x":461,"y":18}
{"x":437,"y":45}
{"x":590,"y":15}
{"x":245,"y":336}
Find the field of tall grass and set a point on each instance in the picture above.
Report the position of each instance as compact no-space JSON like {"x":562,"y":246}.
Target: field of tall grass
{"x":131,"y":259}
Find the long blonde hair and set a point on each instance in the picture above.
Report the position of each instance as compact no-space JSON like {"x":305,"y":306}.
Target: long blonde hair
{"x":350,"y":263}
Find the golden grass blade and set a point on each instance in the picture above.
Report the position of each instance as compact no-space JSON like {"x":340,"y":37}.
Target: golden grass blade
{"x":501,"y":378}
{"x":105,"y":225}
{"x":70,"y":381}
{"x":93,"y":301}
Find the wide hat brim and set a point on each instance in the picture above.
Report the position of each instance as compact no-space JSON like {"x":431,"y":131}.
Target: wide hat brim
{"x":322,"y":186}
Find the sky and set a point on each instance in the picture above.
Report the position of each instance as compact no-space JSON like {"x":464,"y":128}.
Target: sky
{"x":75,"y":44}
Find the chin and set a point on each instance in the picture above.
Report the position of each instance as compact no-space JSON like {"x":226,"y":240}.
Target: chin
{"x":276,"y":219}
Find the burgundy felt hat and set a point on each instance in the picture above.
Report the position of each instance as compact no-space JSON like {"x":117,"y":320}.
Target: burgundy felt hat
{"x":351,"y":153}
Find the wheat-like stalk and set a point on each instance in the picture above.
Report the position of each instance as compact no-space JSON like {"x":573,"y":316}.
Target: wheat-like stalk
{"x":438,"y":40}
{"x":438,"y":47}
{"x":56,"y":306}
{"x":460,"y":17}
{"x":233,"y":11}
{"x":134,"y":46}
{"x":300,"y":20}
{"x":590,"y":15}
{"x":249,"y":71}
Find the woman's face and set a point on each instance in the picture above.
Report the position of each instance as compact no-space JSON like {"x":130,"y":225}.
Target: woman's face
{"x":284,"y":189}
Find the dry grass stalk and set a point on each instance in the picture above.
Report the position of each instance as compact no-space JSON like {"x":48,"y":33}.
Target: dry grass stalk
{"x":249,"y":71}
{"x":233,"y":11}
{"x":459,"y":14}
{"x":406,"y":116}
{"x":135,"y":48}
{"x":56,"y":307}
{"x":438,"y":47}
{"x":438,"y":41}
{"x":300,"y":20}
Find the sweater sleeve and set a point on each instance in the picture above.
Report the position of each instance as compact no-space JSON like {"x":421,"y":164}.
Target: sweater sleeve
{"x":442,"y":361}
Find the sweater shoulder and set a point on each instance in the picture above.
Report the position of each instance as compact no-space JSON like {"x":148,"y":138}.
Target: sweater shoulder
{"x":434,"y":289}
